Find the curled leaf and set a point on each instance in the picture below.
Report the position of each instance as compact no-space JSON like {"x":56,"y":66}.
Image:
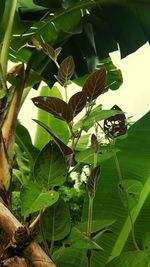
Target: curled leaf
{"x":66,"y":70}
{"x":92,"y":181}
{"x":77,"y":102}
{"x":115,"y":125}
{"x":95,"y":84}
{"x":94,"y":143}
{"x":55,"y":106}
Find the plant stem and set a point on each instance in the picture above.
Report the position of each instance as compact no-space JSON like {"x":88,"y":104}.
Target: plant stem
{"x":90,"y":214}
{"x":7,"y":37}
{"x":89,"y":228}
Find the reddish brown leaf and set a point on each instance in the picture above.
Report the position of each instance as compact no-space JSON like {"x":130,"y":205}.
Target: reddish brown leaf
{"x":49,"y":50}
{"x":55,"y":106}
{"x":93,"y":180}
{"x":95,"y":84}
{"x":66,"y":70}
{"x":65,"y":149}
{"x":94,"y":143}
{"x":77,"y":102}
{"x":58,"y":51}
{"x":115,"y":125}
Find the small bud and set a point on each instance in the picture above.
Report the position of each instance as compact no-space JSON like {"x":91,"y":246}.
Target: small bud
{"x":94,"y":143}
{"x":92,"y":181}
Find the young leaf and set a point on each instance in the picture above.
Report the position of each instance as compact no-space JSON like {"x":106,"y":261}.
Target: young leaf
{"x":115,"y":125}
{"x":65,"y":149}
{"x":95,"y":84}
{"x":94,"y":143}
{"x":77,"y":102}
{"x":66,"y":70}
{"x":33,"y":199}
{"x":56,"y":222}
{"x":50,"y":167}
{"x":49,"y":50}
{"x":92,"y":181}
{"x":55,"y":106}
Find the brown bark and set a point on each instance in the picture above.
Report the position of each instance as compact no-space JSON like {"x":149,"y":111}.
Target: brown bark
{"x":33,"y":252}
{"x":15,"y":262}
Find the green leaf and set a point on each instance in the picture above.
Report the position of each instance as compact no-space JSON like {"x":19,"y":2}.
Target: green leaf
{"x":50,"y":167}
{"x":87,"y":155}
{"x":134,"y":158}
{"x":74,"y":257}
{"x":54,"y":106}
{"x":146,"y":241}
{"x":83,"y":142}
{"x":66,"y":70}
{"x":33,"y":199}
{"x":97,"y":225}
{"x":79,"y":240}
{"x":131,"y":259}
{"x":65,"y":149}
{"x":130,"y":191}
{"x":96,"y":114}
{"x":95,"y":84}
{"x":56,"y":222}
{"x":23,"y":140}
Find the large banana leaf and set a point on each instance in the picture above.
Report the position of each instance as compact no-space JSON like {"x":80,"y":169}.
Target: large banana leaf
{"x":134,"y":161}
{"x":87,"y":36}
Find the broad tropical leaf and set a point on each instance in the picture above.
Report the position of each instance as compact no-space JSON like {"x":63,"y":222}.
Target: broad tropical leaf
{"x":134,"y":157}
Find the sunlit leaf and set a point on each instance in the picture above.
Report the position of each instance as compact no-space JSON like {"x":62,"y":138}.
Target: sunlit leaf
{"x":65,"y":149}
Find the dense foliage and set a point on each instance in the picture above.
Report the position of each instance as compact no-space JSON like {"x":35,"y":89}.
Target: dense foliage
{"x":82,"y":189}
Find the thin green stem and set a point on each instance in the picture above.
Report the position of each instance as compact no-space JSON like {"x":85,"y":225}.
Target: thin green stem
{"x":7,"y":37}
{"x":90,"y":214}
{"x":89,"y":228}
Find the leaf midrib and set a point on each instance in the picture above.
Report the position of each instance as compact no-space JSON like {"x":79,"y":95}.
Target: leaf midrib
{"x":127,"y":227}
